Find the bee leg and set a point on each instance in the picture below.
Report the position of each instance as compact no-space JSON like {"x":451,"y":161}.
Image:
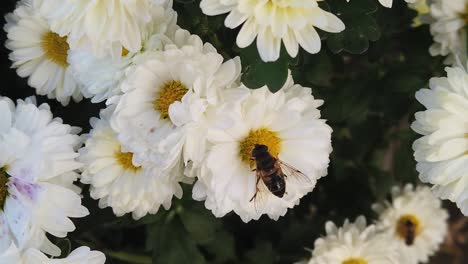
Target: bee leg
{"x":254,"y":170}
{"x":256,"y":190}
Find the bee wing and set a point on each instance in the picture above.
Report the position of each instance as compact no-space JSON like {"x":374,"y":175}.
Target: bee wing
{"x":293,"y":174}
{"x":261,"y":193}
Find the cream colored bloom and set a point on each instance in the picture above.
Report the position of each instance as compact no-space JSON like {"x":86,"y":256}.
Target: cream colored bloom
{"x":448,"y":29}
{"x":288,"y":123}
{"x":272,"y":22}
{"x":40,"y":54}
{"x":441,"y":152}
{"x":103,"y":27}
{"x":416,"y":220}
{"x":354,"y":243}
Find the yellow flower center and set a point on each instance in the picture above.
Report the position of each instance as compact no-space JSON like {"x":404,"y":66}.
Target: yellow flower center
{"x":125,"y":52}
{"x":354,"y":261}
{"x":55,"y":48}
{"x":408,"y":227}
{"x":3,"y":187}
{"x":170,"y":92}
{"x":262,"y":136}
{"x":124,"y":159}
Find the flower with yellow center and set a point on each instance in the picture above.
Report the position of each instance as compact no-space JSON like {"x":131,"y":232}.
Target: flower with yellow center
{"x":40,"y":54}
{"x":37,"y":194}
{"x":354,"y":243}
{"x":273,"y":22}
{"x":416,"y":221}
{"x":288,"y":123}
{"x":116,"y":180}
{"x":165,"y":98}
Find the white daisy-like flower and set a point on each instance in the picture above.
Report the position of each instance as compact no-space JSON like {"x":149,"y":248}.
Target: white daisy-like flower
{"x":37,"y":163}
{"x":288,"y":123}
{"x":40,"y":54}
{"x":416,"y":220}
{"x":272,"y":22}
{"x":448,"y":29}
{"x":165,"y":97}
{"x":103,"y":27}
{"x":33,"y":256}
{"x":101,"y":76}
{"x":354,"y":243}
{"x":442,"y":151}
{"x":116,"y":181}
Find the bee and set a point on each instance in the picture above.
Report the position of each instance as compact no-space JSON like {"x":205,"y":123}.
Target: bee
{"x":272,"y":172}
{"x":409,"y":232}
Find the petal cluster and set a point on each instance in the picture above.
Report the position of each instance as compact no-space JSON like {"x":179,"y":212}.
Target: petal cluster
{"x":441,"y":152}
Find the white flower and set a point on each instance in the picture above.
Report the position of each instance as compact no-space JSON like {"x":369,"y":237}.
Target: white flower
{"x":272,"y":22}
{"x":448,"y":29}
{"x":288,"y":123}
{"x":34,"y":256}
{"x":354,"y":243}
{"x":37,"y":163}
{"x":416,"y":220}
{"x":40,"y":54}
{"x":101,"y":76}
{"x":442,"y":151}
{"x":103,"y":27}
{"x":116,"y":181}
{"x":164,"y":100}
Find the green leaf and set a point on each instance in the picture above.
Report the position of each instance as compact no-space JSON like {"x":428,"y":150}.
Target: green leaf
{"x":361,"y":26}
{"x":172,"y":244}
{"x":200,"y":224}
{"x":258,"y":73}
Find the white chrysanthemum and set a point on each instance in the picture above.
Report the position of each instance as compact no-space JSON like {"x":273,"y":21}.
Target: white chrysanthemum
{"x":291,"y":22}
{"x":416,"y":220}
{"x":164,"y":101}
{"x":354,"y":243}
{"x":40,"y":54}
{"x":101,"y":76}
{"x":442,"y":151}
{"x":103,"y":27}
{"x":448,"y":29}
{"x":116,"y":181}
{"x":288,"y":123}
{"x":37,"y":163}
{"x":14,"y":255}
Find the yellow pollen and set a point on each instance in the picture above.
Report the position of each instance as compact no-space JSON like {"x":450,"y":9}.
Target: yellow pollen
{"x":55,"y":48}
{"x":262,"y":136}
{"x":125,"y":52}
{"x":3,"y":187}
{"x":124,"y":159}
{"x":170,"y":92}
{"x":403,"y":223}
{"x":354,"y":261}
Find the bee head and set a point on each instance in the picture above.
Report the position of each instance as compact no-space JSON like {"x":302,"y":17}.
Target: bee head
{"x":259,"y":149}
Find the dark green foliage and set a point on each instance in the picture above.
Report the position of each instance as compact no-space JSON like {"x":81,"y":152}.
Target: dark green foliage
{"x":367,"y":76}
